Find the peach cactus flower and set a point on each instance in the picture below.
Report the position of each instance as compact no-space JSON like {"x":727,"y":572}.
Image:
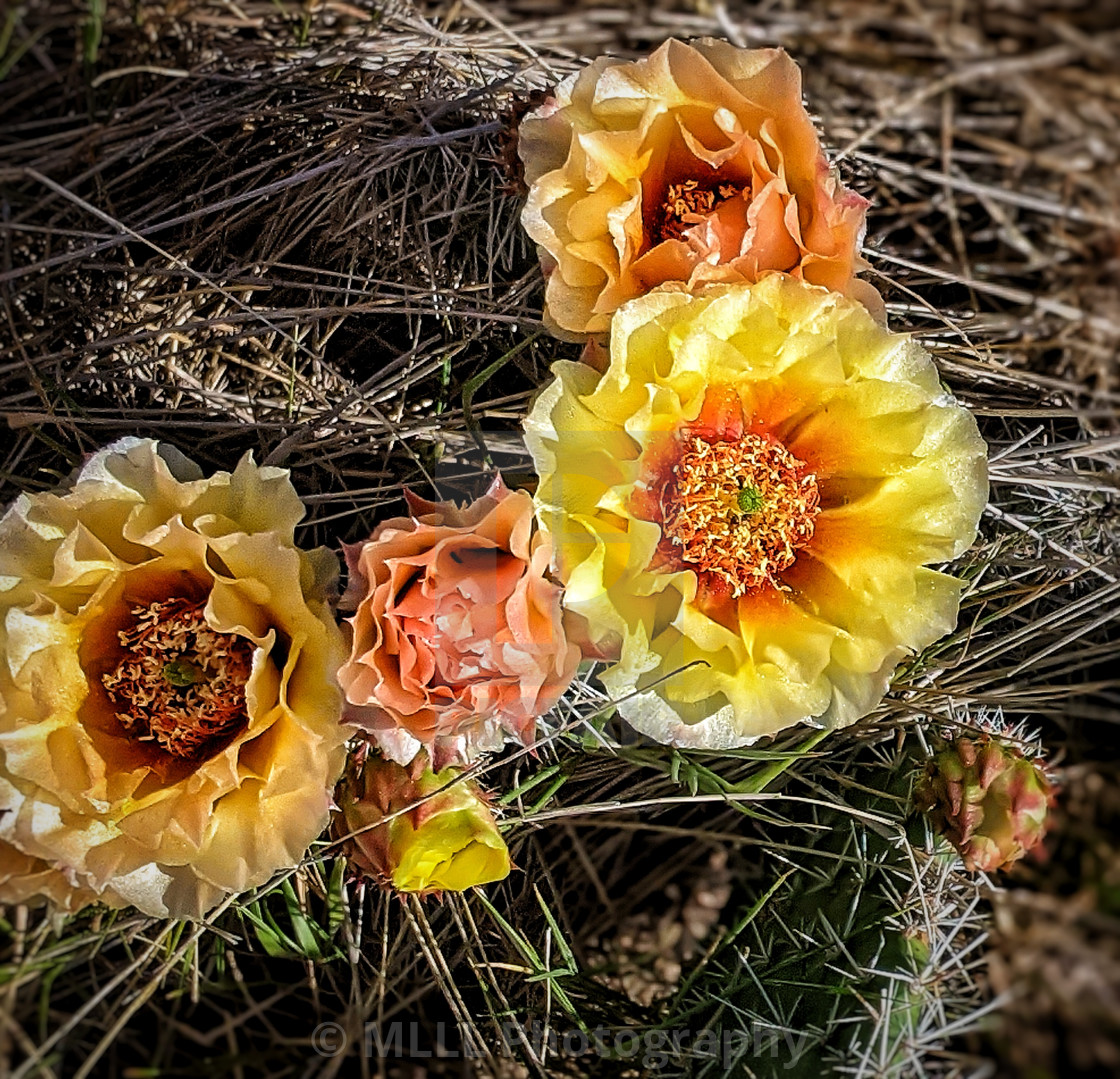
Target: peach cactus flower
{"x":698,"y":164}
{"x":458,"y":634}
{"x":169,"y":712}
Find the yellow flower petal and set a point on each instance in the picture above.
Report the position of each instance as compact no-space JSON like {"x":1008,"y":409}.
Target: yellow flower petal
{"x":448,"y":852}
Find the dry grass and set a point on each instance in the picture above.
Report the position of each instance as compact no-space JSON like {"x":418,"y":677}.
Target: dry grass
{"x":286,"y":228}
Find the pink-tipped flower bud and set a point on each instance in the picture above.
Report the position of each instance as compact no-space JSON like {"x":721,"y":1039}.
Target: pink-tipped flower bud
{"x":988,"y":800}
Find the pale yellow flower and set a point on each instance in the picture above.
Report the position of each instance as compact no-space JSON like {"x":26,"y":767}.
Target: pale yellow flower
{"x":744,"y":505}
{"x":169,"y":709}
{"x":697,"y":164}
{"x":24,"y":879}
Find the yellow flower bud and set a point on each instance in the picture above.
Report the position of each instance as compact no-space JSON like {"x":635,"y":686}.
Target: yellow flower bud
{"x":419,"y":831}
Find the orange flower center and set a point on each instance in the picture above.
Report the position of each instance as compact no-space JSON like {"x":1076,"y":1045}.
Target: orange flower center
{"x":687,"y":204}
{"x":180,"y":683}
{"x":739,"y":509}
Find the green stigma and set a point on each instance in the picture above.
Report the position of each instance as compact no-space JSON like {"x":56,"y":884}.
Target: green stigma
{"x":749,"y":499}
{"x":181,"y":673}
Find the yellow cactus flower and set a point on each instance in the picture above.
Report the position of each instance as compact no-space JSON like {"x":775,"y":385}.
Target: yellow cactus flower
{"x":745,"y":503}
{"x":405,"y":827}
{"x":169,"y":708}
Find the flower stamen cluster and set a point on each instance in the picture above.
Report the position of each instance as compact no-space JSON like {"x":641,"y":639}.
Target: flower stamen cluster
{"x":687,"y":204}
{"x":739,"y":509}
{"x":180,"y":683}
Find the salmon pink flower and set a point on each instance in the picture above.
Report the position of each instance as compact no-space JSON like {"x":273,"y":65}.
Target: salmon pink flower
{"x":458,"y":633}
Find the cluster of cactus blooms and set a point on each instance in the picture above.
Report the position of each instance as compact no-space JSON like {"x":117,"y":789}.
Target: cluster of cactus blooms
{"x":718,"y":492}
{"x":989,"y":800}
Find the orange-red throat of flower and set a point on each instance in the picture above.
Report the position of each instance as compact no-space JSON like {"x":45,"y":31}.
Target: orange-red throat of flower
{"x":179,"y":683}
{"x":736,"y":510}
{"x":687,"y":204}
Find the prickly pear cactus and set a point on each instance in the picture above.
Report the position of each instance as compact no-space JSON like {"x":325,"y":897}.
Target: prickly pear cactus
{"x":844,"y":944}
